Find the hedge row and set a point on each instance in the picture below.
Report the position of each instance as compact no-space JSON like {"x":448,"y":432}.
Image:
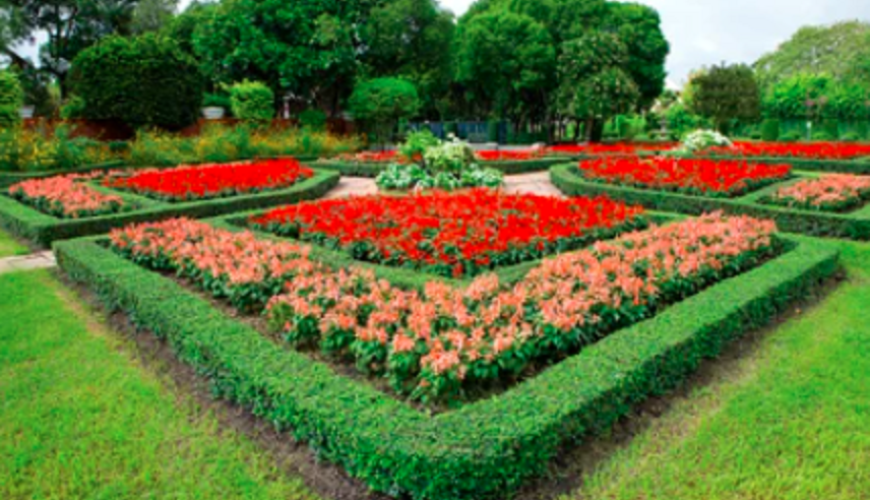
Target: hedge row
{"x":857,"y":166}
{"x":9,"y":178}
{"x":788,"y":219}
{"x":371,"y":170}
{"x":484,"y":450}
{"x":28,"y":223}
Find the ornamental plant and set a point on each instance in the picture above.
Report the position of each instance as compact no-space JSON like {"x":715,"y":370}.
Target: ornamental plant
{"x":253,"y":101}
{"x":11,"y":99}
{"x":441,"y":343}
{"x":212,"y":180}
{"x":67,"y":197}
{"x":714,"y":178}
{"x":834,"y":192}
{"x":701,"y":140}
{"x":452,"y":234}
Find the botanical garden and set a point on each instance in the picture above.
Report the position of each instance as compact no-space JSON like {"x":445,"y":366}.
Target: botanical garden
{"x":369,"y":249}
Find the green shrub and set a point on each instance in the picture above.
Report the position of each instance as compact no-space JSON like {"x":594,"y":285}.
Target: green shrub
{"x":313,"y":119}
{"x":492,"y":131}
{"x":791,"y":136}
{"x":144,"y":81}
{"x":382,"y":102}
{"x":11,"y":99}
{"x":770,"y":130}
{"x":862,"y":128}
{"x":850,"y":136}
{"x":822,"y":136}
{"x":217,"y":100}
{"x":252,"y":101}
{"x":832,"y":129}
{"x":73,"y":108}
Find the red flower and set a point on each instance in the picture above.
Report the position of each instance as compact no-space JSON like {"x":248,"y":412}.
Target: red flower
{"x":213,"y":180}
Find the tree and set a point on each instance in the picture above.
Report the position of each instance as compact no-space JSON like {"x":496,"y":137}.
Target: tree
{"x":725,"y":93}
{"x":799,"y":97}
{"x":305,"y":50}
{"x":71,"y":26}
{"x":11,"y":99}
{"x":382,"y":102}
{"x":152,"y":15}
{"x":142,"y":81}
{"x":410,"y":39}
{"x":841,"y":51}
{"x":639,"y":28}
{"x":506,"y":64}
{"x":593,"y":86}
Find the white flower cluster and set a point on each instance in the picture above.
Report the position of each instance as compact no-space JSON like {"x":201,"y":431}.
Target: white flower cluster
{"x":700,"y":140}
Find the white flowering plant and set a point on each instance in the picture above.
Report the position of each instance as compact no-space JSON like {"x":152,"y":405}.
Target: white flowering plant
{"x":700,"y":140}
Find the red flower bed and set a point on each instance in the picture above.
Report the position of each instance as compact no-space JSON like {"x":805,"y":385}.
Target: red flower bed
{"x":451,"y":234}
{"x":66,"y":196}
{"x":718,"y":178}
{"x":608,"y":149}
{"x":834,"y":192}
{"x":374,"y":157}
{"x":812,"y":150}
{"x":212,"y":180}
{"x":524,"y":155}
{"x":439,"y":343}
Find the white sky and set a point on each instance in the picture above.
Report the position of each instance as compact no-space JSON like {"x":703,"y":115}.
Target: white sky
{"x":705,"y":32}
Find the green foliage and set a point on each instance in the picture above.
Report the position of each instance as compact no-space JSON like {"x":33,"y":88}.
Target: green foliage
{"x":840,"y":50}
{"x":802,"y":96}
{"x":253,"y":101}
{"x":145,"y":82}
{"x":791,"y":136}
{"x":411,"y":39}
{"x":73,"y":108}
{"x":217,"y":100}
{"x":832,"y":128}
{"x":770,"y":130}
{"x":506,"y":63}
{"x":313,"y":119}
{"x":28,"y":151}
{"x":593,"y":81}
{"x":382,"y":102}
{"x":481,"y":451}
{"x":724,"y":93}
{"x":416,"y":143}
{"x":11,"y":99}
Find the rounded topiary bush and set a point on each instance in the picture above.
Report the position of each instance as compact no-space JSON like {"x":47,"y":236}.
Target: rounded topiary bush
{"x":143,"y":81}
{"x":770,"y":130}
{"x":11,"y":99}
{"x":252,"y":101}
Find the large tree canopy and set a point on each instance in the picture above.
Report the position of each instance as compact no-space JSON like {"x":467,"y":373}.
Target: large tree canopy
{"x":411,"y":39}
{"x":724,"y":93}
{"x":506,"y":63}
{"x":841,"y":51}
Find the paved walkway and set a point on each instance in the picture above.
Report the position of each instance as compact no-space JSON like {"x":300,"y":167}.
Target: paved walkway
{"x":38,"y":260}
{"x":534,"y":183}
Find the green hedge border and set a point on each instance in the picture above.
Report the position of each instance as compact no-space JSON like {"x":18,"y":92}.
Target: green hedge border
{"x":854,"y":225}
{"x":371,"y":170}
{"x":9,"y":178}
{"x":484,"y":450}
{"x":42,"y":229}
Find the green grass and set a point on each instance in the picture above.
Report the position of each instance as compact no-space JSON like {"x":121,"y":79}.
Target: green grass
{"x":789,"y":422}
{"x":9,"y":246}
{"x":81,"y":419}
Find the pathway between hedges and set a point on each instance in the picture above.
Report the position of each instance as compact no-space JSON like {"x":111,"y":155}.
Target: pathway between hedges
{"x":535,"y":183}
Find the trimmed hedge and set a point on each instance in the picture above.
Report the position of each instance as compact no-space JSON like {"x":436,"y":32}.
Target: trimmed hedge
{"x":856,"y":166}
{"x":852,"y":226}
{"x":484,"y":450}
{"x":28,"y":223}
{"x":371,"y":170}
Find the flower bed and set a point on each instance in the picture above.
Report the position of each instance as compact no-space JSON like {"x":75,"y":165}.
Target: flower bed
{"x":522,"y":155}
{"x":451,"y":234}
{"x":716,"y":178}
{"x":68,"y":197}
{"x":435,"y":344}
{"x":200,"y":182}
{"x":836,"y":193}
{"x":814,"y":150}
{"x":608,"y":149}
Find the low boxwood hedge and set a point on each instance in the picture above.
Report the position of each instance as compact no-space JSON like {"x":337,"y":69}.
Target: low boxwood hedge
{"x":854,"y":225}
{"x":856,"y":166}
{"x":42,"y":229}
{"x":371,"y":169}
{"x":484,"y":450}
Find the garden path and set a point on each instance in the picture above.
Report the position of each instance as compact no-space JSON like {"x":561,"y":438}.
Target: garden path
{"x":534,"y":183}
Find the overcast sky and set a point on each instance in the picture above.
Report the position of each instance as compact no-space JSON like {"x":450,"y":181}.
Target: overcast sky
{"x":705,"y":32}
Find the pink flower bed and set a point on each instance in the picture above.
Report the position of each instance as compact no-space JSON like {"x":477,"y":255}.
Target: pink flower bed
{"x":834,"y":192}
{"x":66,"y":196}
{"x":437,"y":343}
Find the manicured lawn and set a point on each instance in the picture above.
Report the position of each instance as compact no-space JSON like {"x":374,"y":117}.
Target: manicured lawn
{"x":80,"y":418}
{"x":9,"y":247}
{"x":790,"y":423}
